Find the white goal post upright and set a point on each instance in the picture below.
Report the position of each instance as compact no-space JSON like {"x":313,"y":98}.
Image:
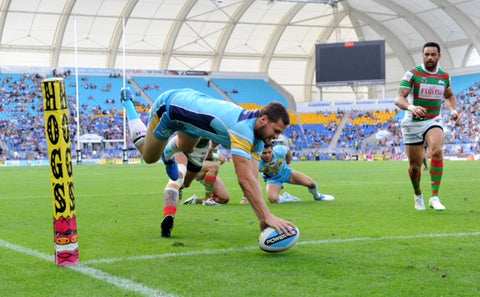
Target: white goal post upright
{"x":124,"y":155}
{"x":78,"y":148}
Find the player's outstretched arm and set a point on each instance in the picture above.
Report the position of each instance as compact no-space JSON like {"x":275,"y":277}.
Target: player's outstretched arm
{"x":250,"y":184}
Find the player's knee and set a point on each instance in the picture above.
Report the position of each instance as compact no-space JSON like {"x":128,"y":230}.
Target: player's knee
{"x":273,"y":199}
{"x":414,"y":169}
{"x":212,"y":167}
{"x":177,"y":184}
{"x":222,"y":200}
{"x":149,"y":159}
{"x":148,"y":156}
{"x":436,"y":153}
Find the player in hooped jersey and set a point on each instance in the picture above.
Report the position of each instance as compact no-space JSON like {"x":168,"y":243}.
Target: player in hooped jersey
{"x":194,"y":115}
{"x":422,"y":91}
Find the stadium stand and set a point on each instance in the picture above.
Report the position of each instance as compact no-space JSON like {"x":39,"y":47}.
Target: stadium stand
{"x":319,"y":131}
{"x":154,"y":86}
{"x":249,"y":91}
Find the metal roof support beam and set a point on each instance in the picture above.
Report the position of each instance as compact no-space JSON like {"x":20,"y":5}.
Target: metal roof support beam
{"x":226,"y":33}
{"x":3,"y":15}
{"x":174,"y":30}
{"x":423,"y":28}
{"x":60,"y":32}
{"x":118,"y":33}
{"x":277,"y":34}
{"x":468,"y":26}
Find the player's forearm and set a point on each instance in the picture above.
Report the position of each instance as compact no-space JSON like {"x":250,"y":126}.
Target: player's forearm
{"x":402,"y":103}
{"x":247,"y":174}
{"x":253,"y":191}
{"x":401,"y":99}
{"x":450,"y":103}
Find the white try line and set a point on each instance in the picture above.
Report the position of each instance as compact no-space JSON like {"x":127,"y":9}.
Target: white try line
{"x":311,"y":242}
{"x":116,"y":281}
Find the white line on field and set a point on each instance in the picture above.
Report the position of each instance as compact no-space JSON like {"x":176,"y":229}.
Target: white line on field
{"x":129,"y":285}
{"x":400,"y":237}
{"x":116,"y":281}
{"x":159,"y":256}
{"x":312,"y":242}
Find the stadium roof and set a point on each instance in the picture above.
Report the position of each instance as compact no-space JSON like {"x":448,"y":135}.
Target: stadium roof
{"x":272,"y":36}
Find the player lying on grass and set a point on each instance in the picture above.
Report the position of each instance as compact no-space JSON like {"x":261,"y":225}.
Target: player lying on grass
{"x":193,"y":166}
{"x":194,"y":115}
{"x":203,"y":166}
{"x":275,"y":168}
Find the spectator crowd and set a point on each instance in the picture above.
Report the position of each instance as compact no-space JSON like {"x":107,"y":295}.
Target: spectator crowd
{"x":22,"y":132}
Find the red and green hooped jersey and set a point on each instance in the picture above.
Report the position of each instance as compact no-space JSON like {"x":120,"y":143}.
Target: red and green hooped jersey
{"x":428,"y":89}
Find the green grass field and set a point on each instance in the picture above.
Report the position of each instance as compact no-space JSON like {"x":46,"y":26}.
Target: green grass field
{"x":368,"y":242}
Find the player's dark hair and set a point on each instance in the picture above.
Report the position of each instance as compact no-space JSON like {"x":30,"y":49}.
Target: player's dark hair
{"x":275,"y":111}
{"x":431,"y":44}
{"x":267,"y":145}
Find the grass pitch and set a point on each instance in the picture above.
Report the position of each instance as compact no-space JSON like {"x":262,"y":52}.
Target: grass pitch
{"x":368,"y":242}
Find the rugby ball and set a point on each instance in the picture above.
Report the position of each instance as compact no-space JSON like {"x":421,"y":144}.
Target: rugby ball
{"x":272,"y":242}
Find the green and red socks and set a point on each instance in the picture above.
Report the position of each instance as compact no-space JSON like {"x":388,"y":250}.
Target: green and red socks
{"x":436,"y":173}
{"x":416,"y":181}
{"x":209,"y":185}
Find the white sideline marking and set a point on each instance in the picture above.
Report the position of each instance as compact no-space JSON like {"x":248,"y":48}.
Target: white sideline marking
{"x":313,"y":242}
{"x":421,"y":236}
{"x":116,"y":281}
{"x":159,"y":256}
{"x":129,"y":285}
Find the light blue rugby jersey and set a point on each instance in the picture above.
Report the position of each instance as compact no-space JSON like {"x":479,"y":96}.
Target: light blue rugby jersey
{"x":278,"y":164}
{"x":200,"y":115}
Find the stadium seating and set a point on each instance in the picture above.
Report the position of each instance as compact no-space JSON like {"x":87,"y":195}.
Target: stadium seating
{"x":320,"y":131}
{"x":154,"y":86}
{"x":248,"y":91}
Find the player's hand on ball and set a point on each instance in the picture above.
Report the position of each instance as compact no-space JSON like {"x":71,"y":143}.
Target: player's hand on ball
{"x":278,"y":224}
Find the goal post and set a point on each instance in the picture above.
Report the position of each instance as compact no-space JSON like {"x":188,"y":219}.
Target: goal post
{"x":57,"y":133}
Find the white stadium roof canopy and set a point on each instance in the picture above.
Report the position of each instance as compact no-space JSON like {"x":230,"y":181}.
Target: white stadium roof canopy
{"x":268,"y":36}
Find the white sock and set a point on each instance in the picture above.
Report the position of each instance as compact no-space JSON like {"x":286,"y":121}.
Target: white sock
{"x":137,"y":131}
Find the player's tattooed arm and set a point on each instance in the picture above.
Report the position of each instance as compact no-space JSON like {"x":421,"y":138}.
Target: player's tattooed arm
{"x":401,"y":99}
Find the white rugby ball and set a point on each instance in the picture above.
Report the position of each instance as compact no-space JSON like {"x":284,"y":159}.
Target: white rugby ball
{"x":272,"y":242}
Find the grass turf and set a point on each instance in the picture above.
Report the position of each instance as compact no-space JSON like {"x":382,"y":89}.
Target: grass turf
{"x":369,"y":241}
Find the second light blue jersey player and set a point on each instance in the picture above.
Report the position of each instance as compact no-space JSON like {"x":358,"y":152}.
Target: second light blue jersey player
{"x":276,"y":170}
{"x":195,"y":114}
{"x":274,"y":164}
